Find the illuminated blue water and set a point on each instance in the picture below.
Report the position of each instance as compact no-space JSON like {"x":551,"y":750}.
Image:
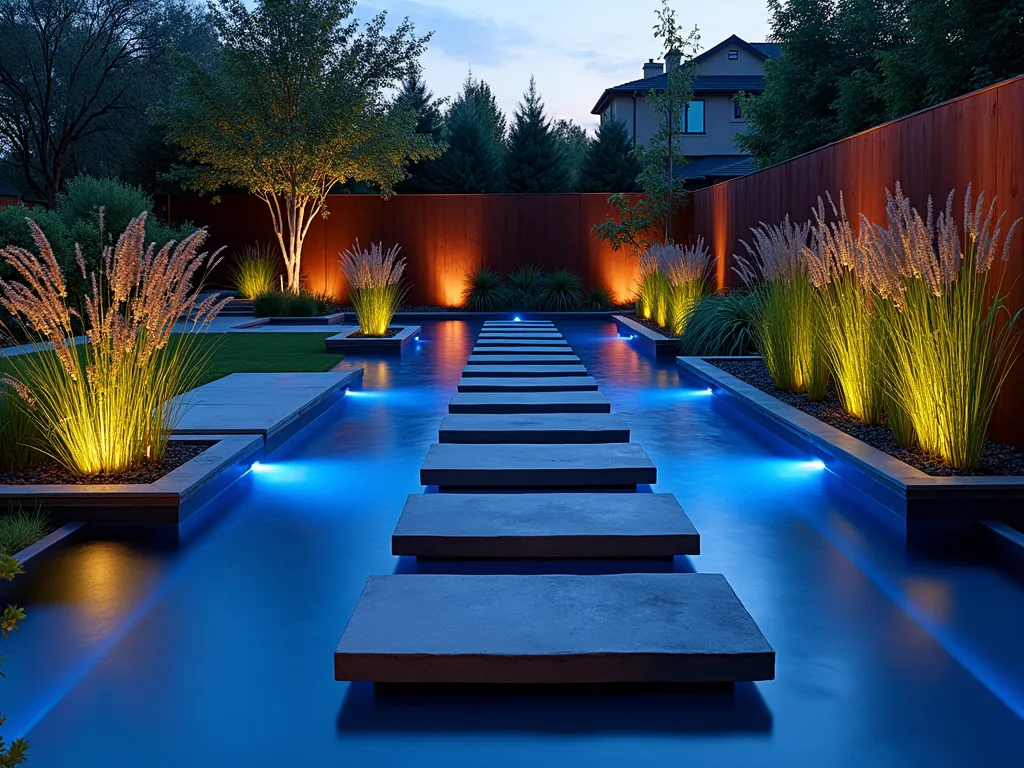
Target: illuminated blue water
{"x":220,"y":653}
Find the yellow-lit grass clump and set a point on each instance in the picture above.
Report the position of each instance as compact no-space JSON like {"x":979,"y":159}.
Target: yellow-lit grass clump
{"x":673,"y":280}
{"x":257,"y":270}
{"x":107,"y":405}
{"x":784,"y":308}
{"x":849,"y":331}
{"x":951,"y":339}
{"x":374,"y":285}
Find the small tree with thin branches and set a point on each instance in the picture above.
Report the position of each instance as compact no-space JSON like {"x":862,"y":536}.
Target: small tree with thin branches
{"x":296,"y":103}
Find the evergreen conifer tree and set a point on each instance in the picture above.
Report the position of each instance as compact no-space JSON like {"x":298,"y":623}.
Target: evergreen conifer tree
{"x":610,"y":165}
{"x":415,"y":95}
{"x":471,"y":163}
{"x":535,"y":161}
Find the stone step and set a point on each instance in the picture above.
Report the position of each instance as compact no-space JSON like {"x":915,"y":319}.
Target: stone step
{"x":525,"y":349}
{"x":529,"y":384}
{"x":530,"y":402}
{"x":544,"y":525}
{"x":553,"y":428}
{"x":523,"y":359}
{"x":502,"y":335}
{"x":533,"y":371}
{"x":522,"y":342}
{"x":612,"y":465}
{"x":552,"y":629}
{"x":518,"y":324}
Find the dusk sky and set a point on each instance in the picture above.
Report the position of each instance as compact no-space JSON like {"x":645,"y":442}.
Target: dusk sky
{"x":574,"y":48}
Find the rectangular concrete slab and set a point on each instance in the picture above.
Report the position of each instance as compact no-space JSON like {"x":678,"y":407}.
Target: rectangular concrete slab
{"x":612,"y":465}
{"x":533,"y":371}
{"x":544,"y":525}
{"x":554,"y":428}
{"x":515,"y":342}
{"x":552,"y":629}
{"x":526,"y":349}
{"x":529,"y":384}
{"x":518,"y":324}
{"x":522,"y":359}
{"x":498,"y":335}
{"x":530,"y":402}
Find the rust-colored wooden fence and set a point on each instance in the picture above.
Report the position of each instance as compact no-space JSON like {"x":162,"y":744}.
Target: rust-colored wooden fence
{"x":443,"y":237}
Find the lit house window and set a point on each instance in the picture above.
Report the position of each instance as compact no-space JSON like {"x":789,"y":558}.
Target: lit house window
{"x":693,"y":117}
{"x":734,"y":55}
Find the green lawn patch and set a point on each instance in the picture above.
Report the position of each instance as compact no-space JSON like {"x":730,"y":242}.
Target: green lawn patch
{"x":268,"y":353}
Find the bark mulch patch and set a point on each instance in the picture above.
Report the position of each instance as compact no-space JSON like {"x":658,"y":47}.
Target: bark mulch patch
{"x":997,"y":460}
{"x":49,"y":472}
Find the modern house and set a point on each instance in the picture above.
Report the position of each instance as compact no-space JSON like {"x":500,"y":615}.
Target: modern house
{"x":713,"y":118}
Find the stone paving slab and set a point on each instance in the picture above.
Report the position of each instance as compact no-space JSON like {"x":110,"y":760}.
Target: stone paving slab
{"x":518,"y":323}
{"x":529,"y":384}
{"x":499,"y":335}
{"x":611,"y":465}
{"x":529,"y":402}
{"x":525,"y":349}
{"x":553,"y":428}
{"x":552,"y":629}
{"x":546,"y":371}
{"x":523,"y":360}
{"x":544,"y":525}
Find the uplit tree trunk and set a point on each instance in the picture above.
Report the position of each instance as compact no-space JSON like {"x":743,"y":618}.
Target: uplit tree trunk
{"x":292,"y":214}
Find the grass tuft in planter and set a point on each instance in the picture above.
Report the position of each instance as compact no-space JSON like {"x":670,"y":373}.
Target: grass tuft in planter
{"x":375,"y":285}
{"x":257,"y":270}
{"x":105,"y":406}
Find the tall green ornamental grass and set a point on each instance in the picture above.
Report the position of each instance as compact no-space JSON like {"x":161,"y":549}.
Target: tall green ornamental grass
{"x":374,"y":285}
{"x":784,"y":311}
{"x":951,"y":339}
{"x":686,"y":270}
{"x":256,"y":271}
{"x":652,"y":290}
{"x":849,"y":331}
{"x":107,"y":405}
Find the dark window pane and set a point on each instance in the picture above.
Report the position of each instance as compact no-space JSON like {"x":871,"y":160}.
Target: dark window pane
{"x":695,"y":117}
{"x":737,"y":110}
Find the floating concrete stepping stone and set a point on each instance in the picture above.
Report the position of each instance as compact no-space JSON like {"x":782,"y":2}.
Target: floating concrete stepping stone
{"x":499,"y":335}
{"x":512,"y":341}
{"x":544,"y":525}
{"x":524,"y":348}
{"x":611,"y":465}
{"x":529,"y":384}
{"x":530,"y":402}
{"x":518,"y":324}
{"x":522,"y":359}
{"x":524,"y":370}
{"x":519,"y":327}
{"x":552,"y":629}
{"x":554,"y":428}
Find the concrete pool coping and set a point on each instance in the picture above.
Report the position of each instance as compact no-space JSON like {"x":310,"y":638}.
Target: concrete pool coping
{"x":65,"y":533}
{"x":239,"y":434}
{"x":912,"y":495}
{"x":661,"y":346}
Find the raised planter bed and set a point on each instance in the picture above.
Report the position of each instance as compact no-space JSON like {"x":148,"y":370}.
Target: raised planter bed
{"x":334,"y":319}
{"x":53,"y":539}
{"x":167,"y":501}
{"x":650,"y":341}
{"x":915,"y":498}
{"x":393,"y":345}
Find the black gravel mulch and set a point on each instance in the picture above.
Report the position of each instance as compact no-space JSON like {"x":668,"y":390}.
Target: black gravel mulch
{"x":389,"y":334}
{"x":997,"y":460}
{"x":51,"y":473}
{"x":648,"y":324}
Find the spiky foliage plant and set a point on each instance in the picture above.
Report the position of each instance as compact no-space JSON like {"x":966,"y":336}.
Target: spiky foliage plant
{"x":952,"y":340}
{"x":849,"y":331}
{"x":784,"y":307}
{"x":720,"y":325}
{"x":484,"y":291}
{"x":256,"y":271}
{"x":597,"y":299}
{"x":524,"y":287}
{"x":562,"y":291}
{"x":686,"y":270}
{"x":375,"y":285}
{"x":109,"y":405}
{"x":21,"y":526}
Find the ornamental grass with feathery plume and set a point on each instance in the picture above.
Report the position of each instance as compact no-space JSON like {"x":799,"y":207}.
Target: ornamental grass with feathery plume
{"x":257,"y":270}
{"x":374,"y":285}
{"x":652,"y":290}
{"x":686,"y":269}
{"x":951,"y":339}
{"x":109,"y":405}
{"x":849,"y":331}
{"x":783,"y":313}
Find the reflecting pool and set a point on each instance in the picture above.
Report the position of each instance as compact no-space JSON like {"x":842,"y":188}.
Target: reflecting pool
{"x":218,"y":652}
